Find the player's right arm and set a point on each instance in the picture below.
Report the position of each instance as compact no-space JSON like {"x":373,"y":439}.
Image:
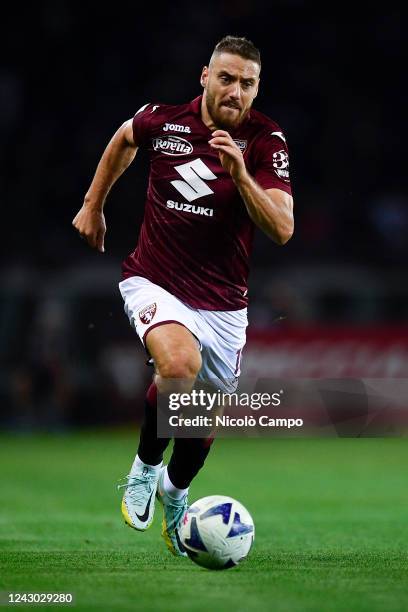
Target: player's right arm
{"x":118,"y":155}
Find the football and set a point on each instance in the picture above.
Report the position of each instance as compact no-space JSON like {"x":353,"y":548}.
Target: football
{"x":217,"y":532}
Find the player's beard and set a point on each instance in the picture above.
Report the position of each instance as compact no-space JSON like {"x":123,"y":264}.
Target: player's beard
{"x":221,"y":121}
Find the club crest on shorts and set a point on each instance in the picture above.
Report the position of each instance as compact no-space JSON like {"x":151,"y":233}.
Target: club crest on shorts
{"x":147,"y":313}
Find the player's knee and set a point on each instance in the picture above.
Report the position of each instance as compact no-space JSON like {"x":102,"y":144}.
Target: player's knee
{"x":181,"y":364}
{"x":177,"y":375}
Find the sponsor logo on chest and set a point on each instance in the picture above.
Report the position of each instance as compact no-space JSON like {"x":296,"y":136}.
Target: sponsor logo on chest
{"x":175,"y":127}
{"x":172,"y":145}
{"x":191,"y":208}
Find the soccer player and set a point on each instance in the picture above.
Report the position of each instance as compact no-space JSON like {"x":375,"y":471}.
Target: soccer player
{"x":218,"y":168}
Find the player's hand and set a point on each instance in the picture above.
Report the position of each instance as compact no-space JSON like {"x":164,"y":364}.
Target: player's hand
{"x":229,"y":153}
{"x":91,"y":226}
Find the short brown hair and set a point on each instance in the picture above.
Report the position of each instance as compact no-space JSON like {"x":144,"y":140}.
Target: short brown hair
{"x":238,"y":46}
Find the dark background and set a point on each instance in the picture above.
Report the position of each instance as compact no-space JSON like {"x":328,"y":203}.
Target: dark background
{"x":333,"y":77}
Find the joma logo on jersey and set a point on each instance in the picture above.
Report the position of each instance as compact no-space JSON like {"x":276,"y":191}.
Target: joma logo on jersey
{"x":172,"y":145}
{"x":196,"y":210}
{"x":174,"y":127}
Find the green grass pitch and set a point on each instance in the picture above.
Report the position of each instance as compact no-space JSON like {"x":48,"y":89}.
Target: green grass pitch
{"x":331,"y":522}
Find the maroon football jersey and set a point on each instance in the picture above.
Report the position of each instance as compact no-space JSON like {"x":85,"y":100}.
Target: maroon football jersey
{"x":196,"y":237}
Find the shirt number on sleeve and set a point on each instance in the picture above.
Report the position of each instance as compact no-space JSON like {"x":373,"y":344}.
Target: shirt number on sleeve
{"x":194,"y":174}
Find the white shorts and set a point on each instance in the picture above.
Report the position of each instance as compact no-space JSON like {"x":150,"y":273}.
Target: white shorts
{"x":220,"y":334}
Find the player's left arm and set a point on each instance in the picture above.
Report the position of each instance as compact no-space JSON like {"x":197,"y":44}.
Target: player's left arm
{"x":270,"y":209}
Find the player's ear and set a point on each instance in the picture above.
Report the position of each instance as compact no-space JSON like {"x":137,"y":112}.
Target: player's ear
{"x":204,"y":76}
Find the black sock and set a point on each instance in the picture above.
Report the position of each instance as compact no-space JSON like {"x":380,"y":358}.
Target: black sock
{"x":189,"y":455}
{"x":151,"y":448}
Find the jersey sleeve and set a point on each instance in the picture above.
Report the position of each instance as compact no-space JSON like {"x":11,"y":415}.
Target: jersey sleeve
{"x":141,"y":124}
{"x":272,"y":161}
